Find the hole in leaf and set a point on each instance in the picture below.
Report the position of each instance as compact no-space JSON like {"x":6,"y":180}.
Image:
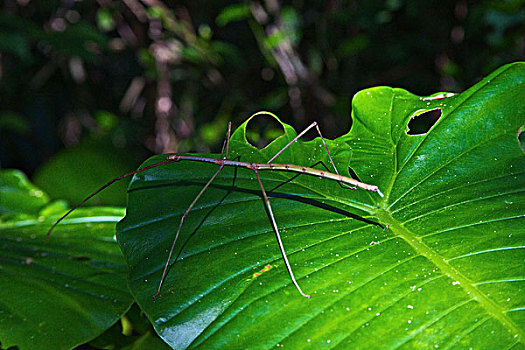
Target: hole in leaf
{"x":521,"y":137}
{"x":262,"y":130}
{"x":421,"y":123}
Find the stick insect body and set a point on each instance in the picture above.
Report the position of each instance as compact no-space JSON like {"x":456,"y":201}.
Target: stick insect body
{"x":256,"y":167}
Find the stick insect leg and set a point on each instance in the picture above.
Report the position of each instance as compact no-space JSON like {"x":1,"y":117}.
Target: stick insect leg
{"x":278,"y":236}
{"x":314,"y":124}
{"x":295,"y":139}
{"x":224,"y":155}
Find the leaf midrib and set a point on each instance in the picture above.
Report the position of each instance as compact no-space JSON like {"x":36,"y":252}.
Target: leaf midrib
{"x":442,"y":264}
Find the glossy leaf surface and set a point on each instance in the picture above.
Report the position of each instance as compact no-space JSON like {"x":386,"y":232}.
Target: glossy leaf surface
{"x":437,"y":262}
{"x":61,"y":293}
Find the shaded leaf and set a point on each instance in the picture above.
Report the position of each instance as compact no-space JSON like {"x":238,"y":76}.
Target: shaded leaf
{"x":61,"y":293}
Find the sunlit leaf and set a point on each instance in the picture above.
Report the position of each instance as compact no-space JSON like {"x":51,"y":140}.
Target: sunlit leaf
{"x":437,"y":262}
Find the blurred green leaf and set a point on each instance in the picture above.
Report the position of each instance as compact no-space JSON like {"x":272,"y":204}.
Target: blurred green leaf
{"x":77,"y":40}
{"x":17,"y":24}
{"x":291,"y":22}
{"x":212,"y":132}
{"x":352,"y":46}
{"x":232,"y":13}
{"x":501,"y":22}
{"x":74,"y":173}
{"x":192,"y":54}
{"x":17,"y":44}
{"x":106,"y":121}
{"x":437,"y":262}
{"x":155,"y":11}
{"x":229,"y":53}
{"x":205,"y":32}
{"x":13,"y":122}
{"x":105,"y":19}
{"x":275,"y":99}
{"x":19,"y":196}
{"x":273,"y":40}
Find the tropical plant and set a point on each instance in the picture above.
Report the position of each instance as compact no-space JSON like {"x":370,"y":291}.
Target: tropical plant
{"x":437,"y":262}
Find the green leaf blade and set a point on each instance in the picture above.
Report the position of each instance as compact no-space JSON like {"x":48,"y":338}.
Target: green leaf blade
{"x":437,"y":262}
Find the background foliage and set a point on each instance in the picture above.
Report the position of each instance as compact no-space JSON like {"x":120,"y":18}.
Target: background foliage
{"x":116,"y":81}
{"x":439,"y":258}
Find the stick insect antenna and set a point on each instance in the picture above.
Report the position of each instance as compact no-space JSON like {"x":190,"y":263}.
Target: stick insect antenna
{"x":224,"y":155}
{"x":105,"y":186}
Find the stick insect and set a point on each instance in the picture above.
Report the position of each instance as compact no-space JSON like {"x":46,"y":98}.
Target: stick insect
{"x":223,"y":161}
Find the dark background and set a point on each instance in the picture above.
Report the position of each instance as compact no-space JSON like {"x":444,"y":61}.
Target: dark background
{"x":89,"y":89}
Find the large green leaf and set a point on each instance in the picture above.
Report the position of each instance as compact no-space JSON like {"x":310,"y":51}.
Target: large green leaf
{"x":61,"y":293}
{"x":437,"y":262}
